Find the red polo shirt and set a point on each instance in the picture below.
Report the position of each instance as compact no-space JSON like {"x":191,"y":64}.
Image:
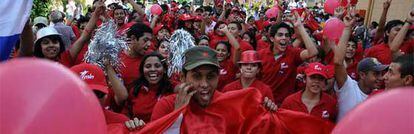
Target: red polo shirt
{"x":263,"y":88}
{"x":112,"y":117}
{"x":130,"y":70}
{"x":325,"y":109}
{"x":142,"y":104}
{"x":382,"y":52}
{"x":227,"y":73}
{"x":280,"y":74}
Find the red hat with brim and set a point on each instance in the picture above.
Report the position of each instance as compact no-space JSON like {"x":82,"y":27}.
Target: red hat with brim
{"x":186,"y":17}
{"x":160,"y":27}
{"x":93,"y":75}
{"x":249,"y":56}
{"x":316,"y":68}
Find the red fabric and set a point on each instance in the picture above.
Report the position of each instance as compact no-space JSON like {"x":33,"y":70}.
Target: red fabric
{"x":382,"y":52}
{"x":407,"y":47}
{"x":117,"y":128}
{"x":280,"y":74}
{"x":259,"y":24}
{"x":76,"y":31}
{"x":352,"y":70}
{"x":244,"y":46}
{"x":243,"y":113}
{"x":112,"y":117}
{"x":124,"y":28}
{"x":311,"y":23}
{"x":81,"y":55}
{"x":227,"y":73}
{"x":263,"y":88}
{"x":143,"y":104}
{"x":130,"y":71}
{"x":326,"y":103}
{"x":262,"y":45}
{"x":65,"y":59}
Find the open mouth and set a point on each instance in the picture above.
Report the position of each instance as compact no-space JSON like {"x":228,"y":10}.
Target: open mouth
{"x":153,"y":76}
{"x":204,"y":94}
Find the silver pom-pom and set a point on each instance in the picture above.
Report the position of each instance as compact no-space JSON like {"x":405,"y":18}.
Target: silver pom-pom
{"x":180,"y":41}
{"x":106,"y":45}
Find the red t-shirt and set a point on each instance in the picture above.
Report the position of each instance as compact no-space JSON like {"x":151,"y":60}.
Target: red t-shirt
{"x":142,"y":104}
{"x":407,"y":47}
{"x":227,"y":73}
{"x":65,"y":59}
{"x":124,"y":28}
{"x":244,"y":46}
{"x":382,"y":52}
{"x":80,"y":58}
{"x":280,"y":74}
{"x":129,"y":72}
{"x":325,"y":109}
{"x":262,"y":45}
{"x":112,"y":117}
{"x":352,"y":70}
{"x":263,"y":88}
{"x":214,"y":39}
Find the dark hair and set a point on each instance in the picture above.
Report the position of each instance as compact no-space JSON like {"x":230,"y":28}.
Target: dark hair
{"x":252,"y":36}
{"x":165,"y":85}
{"x":208,"y":9}
{"x":275,"y":28}
{"x":38,"y":48}
{"x":239,"y":26}
{"x":202,"y":37}
{"x":374,"y":24}
{"x":227,"y":44}
{"x":186,"y":71}
{"x":162,"y":40}
{"x":81,"y":20}
{"x":391,"y":24}
{"x":218,"y":24}
{"x":407,"y":64}
{"x":138,"y":30}
{"x":200,"y":9}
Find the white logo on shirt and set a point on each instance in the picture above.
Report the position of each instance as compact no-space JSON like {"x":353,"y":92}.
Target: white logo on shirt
{"x":223,"y":72}
{"x":283,"y":65}
{"x":317,"y":67}
{"x":85,"y":76}
{"x":325,"y":114}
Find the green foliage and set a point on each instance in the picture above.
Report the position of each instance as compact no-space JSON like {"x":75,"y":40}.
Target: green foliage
{"x":40,"y":8}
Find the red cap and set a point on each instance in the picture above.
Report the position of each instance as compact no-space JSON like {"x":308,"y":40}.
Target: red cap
{"x":316,"y":68}
{"x":92,"y":75}
{"x":249,"y":56}
{"x":186,"y":17}
{"x":198,"y":18}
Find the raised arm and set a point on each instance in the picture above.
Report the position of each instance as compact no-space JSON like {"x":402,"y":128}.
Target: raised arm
{"x":339,"y":58}
{"x":136,"y":7}
{"x":86,"y":34}
{"x":234,"y":44}
{"x":399,"y":38}
{"x":154,"y":21}
{"x":26,"y":41}
{"x":121,"y":93}
{"x":311,"y":49}
{"x":383,"y":19}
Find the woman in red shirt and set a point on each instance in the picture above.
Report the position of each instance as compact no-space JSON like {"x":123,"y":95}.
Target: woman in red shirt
{"x":152,"y":84}
{"x":228,"y":69}
{"x":250,"y":66}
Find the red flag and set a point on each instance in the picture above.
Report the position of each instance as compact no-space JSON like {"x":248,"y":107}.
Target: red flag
{"x":239,"y":111}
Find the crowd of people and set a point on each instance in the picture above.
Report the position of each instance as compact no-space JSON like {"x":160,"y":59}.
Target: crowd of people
{"x":287,"y":58}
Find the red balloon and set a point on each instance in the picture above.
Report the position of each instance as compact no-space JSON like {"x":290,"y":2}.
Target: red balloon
{"x":330,"y":5}
{"x":390,"y":112}
{"x":272,"y":12}
{"x":333,"y":29}
{"x":156,"y":9}
{"x":39,"y":96}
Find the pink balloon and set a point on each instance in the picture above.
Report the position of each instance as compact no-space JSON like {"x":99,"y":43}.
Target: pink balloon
{"x":330,"y":5}
{"x":272,"y":12}
{"x":390,"y":112}
{"x":39,"y":96}
{"x":333,"y":29}
{"x":156,"y":9}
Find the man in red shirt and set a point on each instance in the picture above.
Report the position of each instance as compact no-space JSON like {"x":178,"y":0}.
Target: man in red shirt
{"x":140,"y":36}
{"x":382,"y":51}
{"x":281,"y":60}
{"x":313,"y":100}
{"x":199,"y":81}
{"x":234,"y":28}
{"x":403,"y":43}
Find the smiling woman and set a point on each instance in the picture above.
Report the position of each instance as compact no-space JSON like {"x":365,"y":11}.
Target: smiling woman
{"x":151,"y":85}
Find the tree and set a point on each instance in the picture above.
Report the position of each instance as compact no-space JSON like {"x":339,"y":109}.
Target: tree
{"x":40,"y":8}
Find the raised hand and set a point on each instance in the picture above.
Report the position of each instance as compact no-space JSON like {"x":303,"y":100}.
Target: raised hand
{"x":339,"y":12}
{"x":134,"y":124}
{"x":184,"y":93}
{"x":349,"y":21}
{"x":387,"y":4}
{"x":269,"y":104}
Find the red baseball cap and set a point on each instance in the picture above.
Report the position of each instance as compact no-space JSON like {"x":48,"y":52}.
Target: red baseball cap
{"x":249,"y":56}
{"x":316,"y":68}
{"x":93,"y":75}
{"x":159,"y":27}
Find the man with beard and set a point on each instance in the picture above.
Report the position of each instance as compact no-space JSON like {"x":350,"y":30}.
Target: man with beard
{"x":281,"y":60}
{"x":350,"y":92}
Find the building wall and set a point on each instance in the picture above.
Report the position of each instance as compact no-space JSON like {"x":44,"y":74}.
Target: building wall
{"x":398,"y":10}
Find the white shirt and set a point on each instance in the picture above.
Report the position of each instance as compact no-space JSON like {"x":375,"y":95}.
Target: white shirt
{"x":349,"y":96}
